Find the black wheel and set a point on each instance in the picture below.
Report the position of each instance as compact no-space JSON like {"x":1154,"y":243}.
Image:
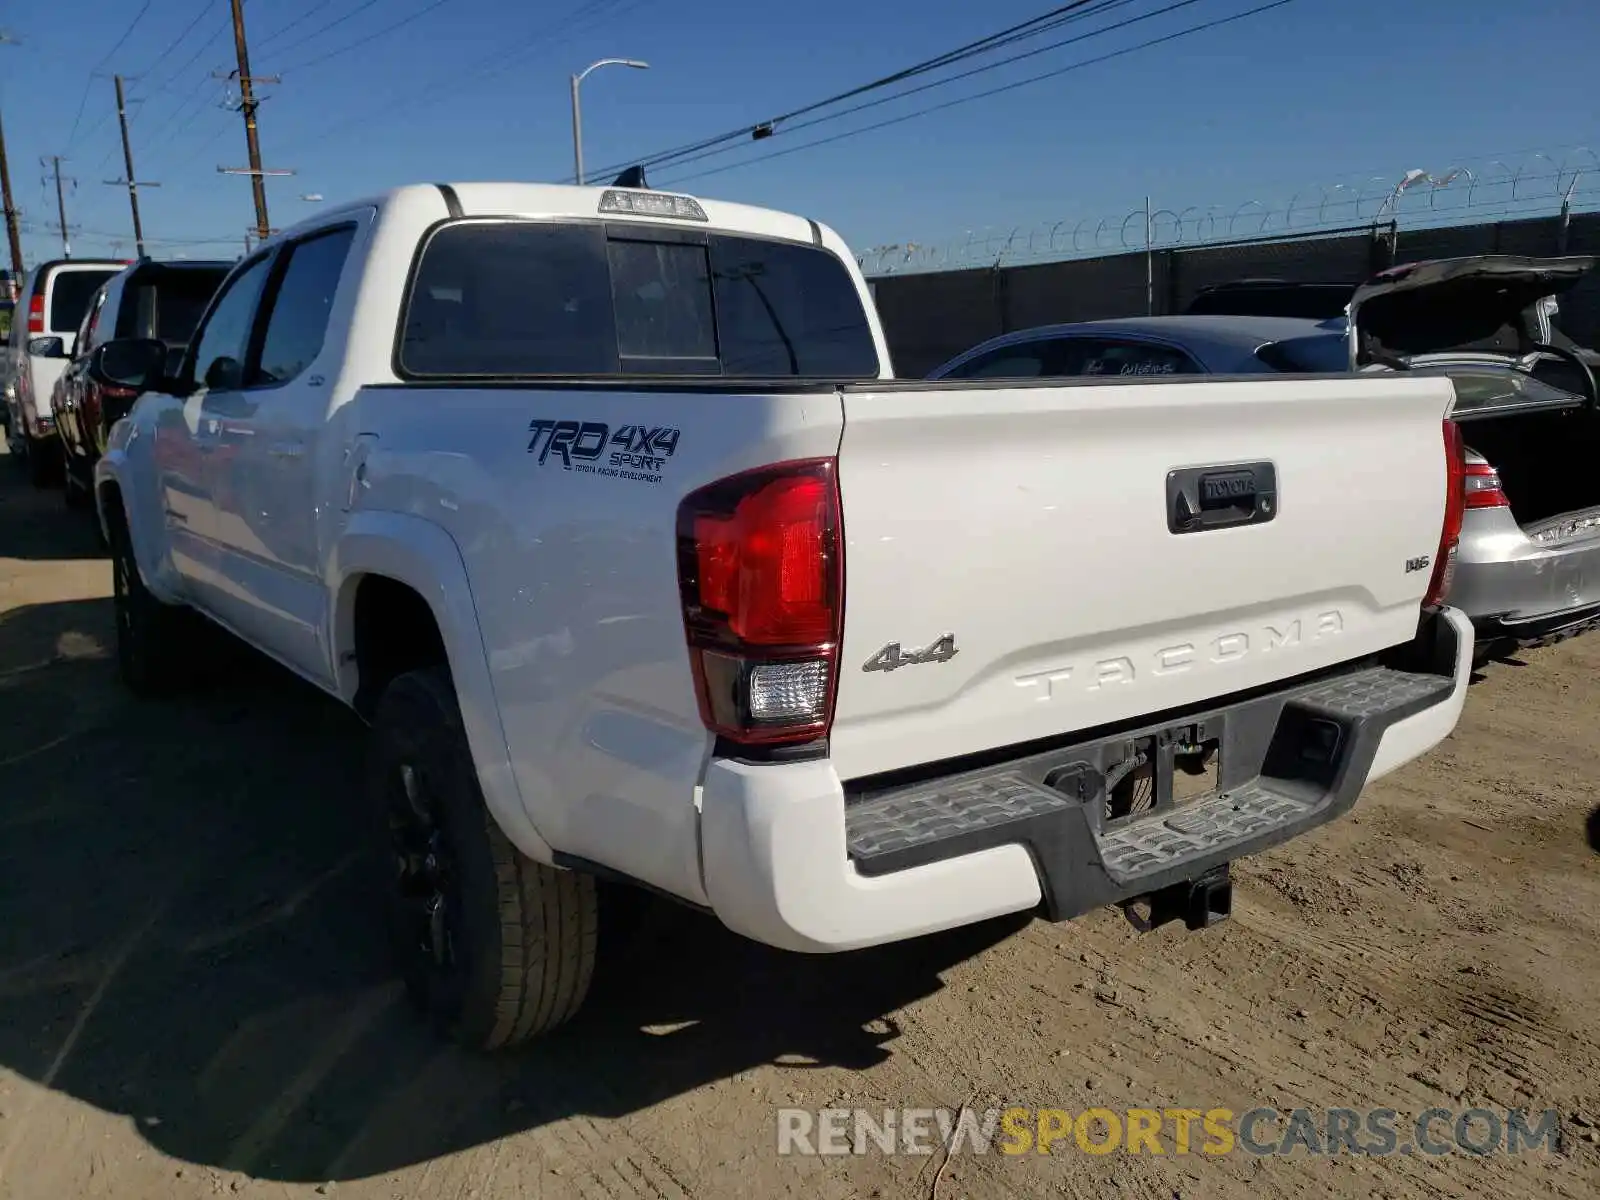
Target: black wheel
{"x":155,"y":641}
{"x":493,"y":947}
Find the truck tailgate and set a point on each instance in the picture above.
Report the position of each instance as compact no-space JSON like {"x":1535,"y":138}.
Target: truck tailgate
{"x":1026,"y":561}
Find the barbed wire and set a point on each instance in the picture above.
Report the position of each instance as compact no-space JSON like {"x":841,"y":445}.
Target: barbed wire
{"x":1495,"y":188}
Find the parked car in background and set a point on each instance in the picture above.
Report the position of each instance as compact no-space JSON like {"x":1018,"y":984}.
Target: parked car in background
{"x":156,"y":300}
{"x":1528,"y":566}
{"x":54,"y":297}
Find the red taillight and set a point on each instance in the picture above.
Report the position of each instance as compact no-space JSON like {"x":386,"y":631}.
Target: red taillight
{"x":1482,"y":487}
{"x":760,"y":563}
{"x":36,"y":316}
{"x":1455,"y":498}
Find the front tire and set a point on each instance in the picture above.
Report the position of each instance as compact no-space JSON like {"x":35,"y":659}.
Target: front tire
{"x":154,"y":649}
{"x":493,"y":947}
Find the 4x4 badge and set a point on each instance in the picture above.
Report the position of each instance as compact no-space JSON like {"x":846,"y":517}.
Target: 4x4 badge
{"x":892,"y":656}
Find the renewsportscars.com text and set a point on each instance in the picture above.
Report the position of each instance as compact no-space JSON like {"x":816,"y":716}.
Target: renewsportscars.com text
{"x":1179,"y":1131}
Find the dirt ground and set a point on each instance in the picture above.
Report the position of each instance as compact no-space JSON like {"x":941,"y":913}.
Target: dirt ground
{"x":194,"y":1002}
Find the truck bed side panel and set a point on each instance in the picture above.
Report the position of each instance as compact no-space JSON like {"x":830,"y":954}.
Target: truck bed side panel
{"x":570,"y":552}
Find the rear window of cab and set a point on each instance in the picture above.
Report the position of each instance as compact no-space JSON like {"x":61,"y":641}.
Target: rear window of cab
{"x":509,"y":299}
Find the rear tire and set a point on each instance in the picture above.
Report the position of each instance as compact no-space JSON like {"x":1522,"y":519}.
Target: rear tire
{"x":156,"y":646}
{"x":493,"y":947}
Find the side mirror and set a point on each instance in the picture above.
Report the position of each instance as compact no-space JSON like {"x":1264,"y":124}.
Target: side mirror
{"x":224,"y":375}
{"x":47,"y":347}
{"x":137,"y":364}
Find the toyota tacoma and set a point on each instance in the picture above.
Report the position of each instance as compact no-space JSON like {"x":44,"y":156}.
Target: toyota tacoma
{"x":603,"y":508}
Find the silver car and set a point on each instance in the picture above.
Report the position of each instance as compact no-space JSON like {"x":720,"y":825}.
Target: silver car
{"x":1528,"y":566}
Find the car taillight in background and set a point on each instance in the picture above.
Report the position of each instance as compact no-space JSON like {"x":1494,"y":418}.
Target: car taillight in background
{"x":1455,"y":504}
{"x":1482,"y":485}
{"x":760,"y":570}
{"x":36,"y":315}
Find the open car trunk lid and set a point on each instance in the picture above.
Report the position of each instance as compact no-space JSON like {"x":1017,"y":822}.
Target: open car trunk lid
{"x":1453,"y":304}
{"x":1477,"y":319}
{"x":1027,"y":561}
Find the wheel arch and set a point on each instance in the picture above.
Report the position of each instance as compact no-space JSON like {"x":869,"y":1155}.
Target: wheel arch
{"x":406,"y":556}
{"x":116,"y":497}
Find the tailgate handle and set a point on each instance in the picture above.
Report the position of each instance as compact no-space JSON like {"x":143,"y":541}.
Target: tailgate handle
{"x":1221,"y":496}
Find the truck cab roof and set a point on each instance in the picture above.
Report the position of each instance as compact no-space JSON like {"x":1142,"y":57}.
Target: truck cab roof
{"x":566,"y":202}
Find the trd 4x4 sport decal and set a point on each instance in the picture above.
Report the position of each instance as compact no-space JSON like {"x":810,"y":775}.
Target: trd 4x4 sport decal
{"x":635,"y":451}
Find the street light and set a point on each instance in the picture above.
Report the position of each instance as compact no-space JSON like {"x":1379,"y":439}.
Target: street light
{"x":577,"y":112}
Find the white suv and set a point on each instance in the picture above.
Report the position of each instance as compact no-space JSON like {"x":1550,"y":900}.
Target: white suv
{"x":44,"y":326}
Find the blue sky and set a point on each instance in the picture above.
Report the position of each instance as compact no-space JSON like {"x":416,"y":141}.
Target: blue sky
{"x":1313,"y":93}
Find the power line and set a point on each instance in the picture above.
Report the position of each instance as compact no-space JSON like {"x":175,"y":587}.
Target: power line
{"x":132,"y":25}
{"x":205,"y":7}
{"x":297,"y":21}
{"x":371,"y":37}
{"x":322,"y":29}
{"x":1082,"y":37}
{"x":200,"y":93}
{"x":480,"y":70}
{"x":1025,"y":29}
{"x":671,"y":159}
{"x":183,"y":105}
{"x":995,"y":91}
{"x":172,"y":76}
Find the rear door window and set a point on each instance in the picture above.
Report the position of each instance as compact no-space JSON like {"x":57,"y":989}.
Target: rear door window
{"x":498,"y":299}
{"x":298,"y":321}
{"x":528,"y":298}
{"x":71,"y":289}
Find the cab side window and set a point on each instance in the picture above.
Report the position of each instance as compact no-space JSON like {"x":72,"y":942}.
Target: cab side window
{"x":223,"y":342}
{"x":302,"y":302}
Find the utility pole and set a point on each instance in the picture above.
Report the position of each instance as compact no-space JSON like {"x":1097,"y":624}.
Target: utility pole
{"x":247,"y":105}
{"x":132,"y":184}
{"x":13,"y":235}
{"x":61,"y":205}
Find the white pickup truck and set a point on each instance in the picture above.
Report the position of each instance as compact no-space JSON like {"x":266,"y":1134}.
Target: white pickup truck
{"x":603,"y":508}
